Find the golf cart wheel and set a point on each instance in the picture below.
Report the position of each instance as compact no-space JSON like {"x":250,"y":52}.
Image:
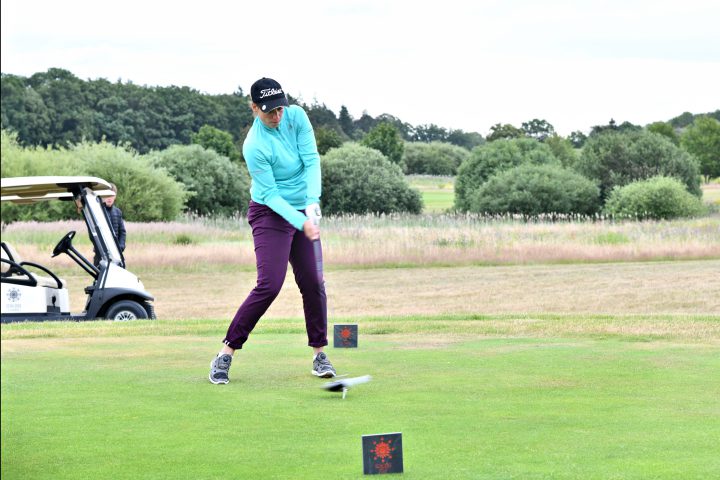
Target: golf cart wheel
{"x":126,"y":310}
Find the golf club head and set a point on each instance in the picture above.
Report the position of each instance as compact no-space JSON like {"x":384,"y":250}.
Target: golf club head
{"x":345,"y":383}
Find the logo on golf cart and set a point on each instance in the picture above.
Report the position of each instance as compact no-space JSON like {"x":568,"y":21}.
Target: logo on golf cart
{"x":14,"y":295}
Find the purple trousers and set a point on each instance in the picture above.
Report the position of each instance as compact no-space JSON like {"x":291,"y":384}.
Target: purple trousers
{"x":276,"y":243}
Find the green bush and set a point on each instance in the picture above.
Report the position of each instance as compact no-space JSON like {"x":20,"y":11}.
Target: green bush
{"x":359,"y":179}
{"x":213,"y":138}
{"x":533,"y":190}
{"x":386,"y":139}
{"x":434,"y":158}
{"x":702,"y":140}
{"x":327,"y":138}
{"x":563,"y":149}
{"x":19,"y":161}
{"x":657,"y":198}
{"x":617,"y":158}
{"x":216,"y":185}
{"x":494,"y":157}
{"x":144,"y":193}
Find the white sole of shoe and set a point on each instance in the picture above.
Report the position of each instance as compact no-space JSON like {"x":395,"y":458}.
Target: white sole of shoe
{"x":216,"y":382}
{"x":322,"y":375}
{"x":219,"y":382}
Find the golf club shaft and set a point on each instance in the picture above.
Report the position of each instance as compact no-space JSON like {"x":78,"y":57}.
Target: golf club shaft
{"x":318,"y":260}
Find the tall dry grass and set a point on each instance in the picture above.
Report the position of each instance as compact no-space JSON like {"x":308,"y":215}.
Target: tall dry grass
{"x":396,"y":240}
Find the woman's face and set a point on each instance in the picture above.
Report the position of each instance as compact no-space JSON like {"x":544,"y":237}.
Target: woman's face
{"x":272,"y":118}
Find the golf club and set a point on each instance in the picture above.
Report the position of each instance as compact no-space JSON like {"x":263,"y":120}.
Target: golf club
{"x":315,"y":215}
{"x":344,"y":384}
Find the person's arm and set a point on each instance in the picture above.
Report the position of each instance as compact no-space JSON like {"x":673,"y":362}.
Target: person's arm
{"x":266,"y":188}
{"x":121,"y":234}
{"x":310,"y":157}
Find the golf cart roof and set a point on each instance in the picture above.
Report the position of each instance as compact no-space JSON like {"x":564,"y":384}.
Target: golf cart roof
{"x":38,"y":189}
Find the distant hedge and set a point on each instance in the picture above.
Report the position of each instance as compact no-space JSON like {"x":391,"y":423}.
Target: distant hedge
{"x":214,"y":183}
{"x":144,"y":193}
{"x":533,"y":190}
{"x":495,"y":157}
{"x":616,"y":158}
{"x":358,"y":179}
{"x":434,"y":158}
{"x":657,"y":198}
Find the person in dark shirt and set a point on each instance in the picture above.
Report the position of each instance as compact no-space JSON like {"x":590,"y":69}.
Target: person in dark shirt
{"x":116,"y":222}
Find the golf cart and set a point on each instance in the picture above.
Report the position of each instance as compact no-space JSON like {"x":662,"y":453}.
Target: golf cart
{"x":27,"y":295}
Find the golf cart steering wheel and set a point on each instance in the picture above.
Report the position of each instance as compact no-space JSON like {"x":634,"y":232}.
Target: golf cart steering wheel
{"x":64,"y":244}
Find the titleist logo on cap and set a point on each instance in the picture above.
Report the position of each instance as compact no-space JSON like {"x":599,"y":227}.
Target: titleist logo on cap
{"x":270,"y":91}
{"x":268,"y":94}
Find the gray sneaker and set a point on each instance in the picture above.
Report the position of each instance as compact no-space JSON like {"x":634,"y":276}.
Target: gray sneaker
{"x":219,"y":369}
{"x":322,"y":367}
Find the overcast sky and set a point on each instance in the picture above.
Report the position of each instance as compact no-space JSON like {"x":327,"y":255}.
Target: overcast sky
{"x":458,"y":64}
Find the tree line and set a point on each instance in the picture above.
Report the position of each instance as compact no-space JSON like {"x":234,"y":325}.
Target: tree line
{"x":173,"y":149}
{"x":56,"y":108}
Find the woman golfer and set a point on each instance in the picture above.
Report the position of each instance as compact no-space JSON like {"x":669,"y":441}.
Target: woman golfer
{"x":284,"y":166}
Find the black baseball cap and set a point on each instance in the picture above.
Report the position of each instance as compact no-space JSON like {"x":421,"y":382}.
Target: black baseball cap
{"x":267,"y":94}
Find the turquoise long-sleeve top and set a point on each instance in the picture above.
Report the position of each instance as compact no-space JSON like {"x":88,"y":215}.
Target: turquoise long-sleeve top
{"x":284,"y":165}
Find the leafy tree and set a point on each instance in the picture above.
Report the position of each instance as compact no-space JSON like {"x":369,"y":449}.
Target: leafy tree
{"x":146,"y":194}
{"x":468,"y":140}
{"x":538,"y":129}
{"x":320,"y":115}
{"x":215,"y":139}
{"x":363,"y":125}
{"x":56,"y":108}
{"x":616,"y":158}
{"x":664,"y":129}
{"x":563,"y":149}
{"x":429,"y":133}
{"x":504,"y":131}
{"x":494,"y":157}
{"x":434,"y":158}
{"x":19,"y":161}
{"x":577,"y":138}
{"x":24,"y":111}
{"x":385,"y":138}
{"x":656,"y":198}
{"x":404,"y":129}
{"x":346,"y":122}
{"x":533,"y":190}
{"x":327,"y":138}
{"x":358,"y":179}
{"x":216,"y":185}
{"x":682,"y":120}
{"x":702,"y":140}
{"x":71,"y":121}
{"x":612,"y":126}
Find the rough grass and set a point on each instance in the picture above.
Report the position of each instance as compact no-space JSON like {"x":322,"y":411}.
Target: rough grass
{"x":395,"y":240}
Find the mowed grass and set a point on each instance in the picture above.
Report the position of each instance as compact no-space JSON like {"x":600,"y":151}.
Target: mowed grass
{"x":438,"y":192}
{"x":474,"y":396}
{"x":500,"y":349}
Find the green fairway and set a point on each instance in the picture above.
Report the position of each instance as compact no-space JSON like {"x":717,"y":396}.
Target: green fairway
{"x":526,"y":397}
{"x":438,"y":192}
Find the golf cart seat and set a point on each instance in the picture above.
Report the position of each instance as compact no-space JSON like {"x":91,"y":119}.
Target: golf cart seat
{"x":14,"y":271}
